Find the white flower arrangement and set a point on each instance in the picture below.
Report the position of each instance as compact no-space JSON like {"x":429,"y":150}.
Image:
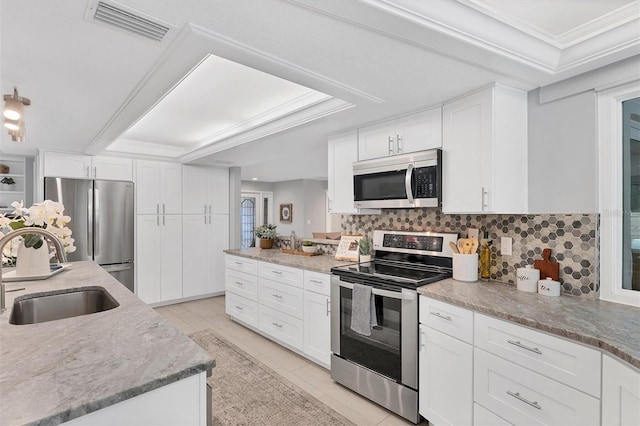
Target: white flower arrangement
{"x":48,"y":215}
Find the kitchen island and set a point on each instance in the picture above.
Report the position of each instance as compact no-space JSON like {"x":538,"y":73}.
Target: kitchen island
{"x":56,"y":371}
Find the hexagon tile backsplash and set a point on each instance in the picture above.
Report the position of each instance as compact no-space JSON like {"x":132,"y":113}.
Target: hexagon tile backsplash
{"x":572,"y":239}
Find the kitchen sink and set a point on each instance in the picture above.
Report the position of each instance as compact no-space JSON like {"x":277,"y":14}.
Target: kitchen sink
{"x":64,"y":304}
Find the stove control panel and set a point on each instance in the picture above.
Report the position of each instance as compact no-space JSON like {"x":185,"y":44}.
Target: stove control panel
{"x":414,"y":242}
{"x":432,"y":243}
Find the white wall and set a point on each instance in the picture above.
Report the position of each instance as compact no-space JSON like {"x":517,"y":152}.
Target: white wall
{"x":308,"y":199}
{"x":315,"y":209}
{"x":562,"y":154}
{"x":252,"y":186}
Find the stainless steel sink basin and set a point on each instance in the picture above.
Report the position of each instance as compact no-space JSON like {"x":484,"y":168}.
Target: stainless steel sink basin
{"x":65,"y":304}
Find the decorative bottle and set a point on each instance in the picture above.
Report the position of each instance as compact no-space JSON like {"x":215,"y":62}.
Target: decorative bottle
{"x":485,"y":258}
{"x":292,"y":240}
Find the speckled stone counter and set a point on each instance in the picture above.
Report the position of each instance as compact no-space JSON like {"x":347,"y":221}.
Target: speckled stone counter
{"x":321,"y":263}
{"x":612,"y":327}
{"x":56,"y":371}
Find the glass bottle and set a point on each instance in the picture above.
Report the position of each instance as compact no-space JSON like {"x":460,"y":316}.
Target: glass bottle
{"x":485,"y":258}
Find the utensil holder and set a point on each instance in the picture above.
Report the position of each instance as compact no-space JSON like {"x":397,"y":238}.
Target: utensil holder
{"x":465,"y":267}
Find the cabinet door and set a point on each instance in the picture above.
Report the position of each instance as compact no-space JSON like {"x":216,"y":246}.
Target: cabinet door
{"x":111,"y":168}
{"x":171,"y":257}
{"x":420,"y":131}
{"x":171,"y":188}
{"x":219,"y":225}
{"x":195,"y":184}
{"x":620,"y":393}
{"x":196,"y":256}
{"x":446,"y":379}
{"x":58,"y":164}
{"x":218,"y":193}
{"x":148,"y":185}
{"x":467,"y":157}
{"x":378,"y":140}
{"x":148,"y":258}
{"x":343,"y":152}
{"x":317,"y":327}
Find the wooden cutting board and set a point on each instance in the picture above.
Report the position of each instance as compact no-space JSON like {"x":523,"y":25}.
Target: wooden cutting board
{"x":547,"y":267}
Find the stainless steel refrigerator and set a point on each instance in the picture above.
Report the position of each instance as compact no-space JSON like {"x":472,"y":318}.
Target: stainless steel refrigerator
{"x":102,"y":222}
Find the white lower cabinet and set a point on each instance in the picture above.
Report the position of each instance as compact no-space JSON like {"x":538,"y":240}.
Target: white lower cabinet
{"x":484,"y":417}
{"x":317,"y":327}
{"x":281,"y":326}
{"x":281,"y":297}
{"x":243,"y":309}
{"x":620,"y":393}
{"x":446,"y":373}
{"x":521,"y":396}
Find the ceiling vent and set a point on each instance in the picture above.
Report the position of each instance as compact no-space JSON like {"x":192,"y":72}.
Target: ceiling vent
{"x":127,"y":20}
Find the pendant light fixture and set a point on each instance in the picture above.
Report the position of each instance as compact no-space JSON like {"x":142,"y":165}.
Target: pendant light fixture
{"x":14,"y":115}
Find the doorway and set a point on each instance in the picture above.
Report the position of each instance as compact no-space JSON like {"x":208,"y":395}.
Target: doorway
{"x":256,"y":209}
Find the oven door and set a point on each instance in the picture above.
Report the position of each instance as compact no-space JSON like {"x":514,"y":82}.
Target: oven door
{"x":392,"y":348}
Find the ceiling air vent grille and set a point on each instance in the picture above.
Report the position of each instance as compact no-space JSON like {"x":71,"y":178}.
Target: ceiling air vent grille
{"x":129,"y":22}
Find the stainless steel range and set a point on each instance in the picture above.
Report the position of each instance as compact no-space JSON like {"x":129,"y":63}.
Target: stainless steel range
{"x":383,"y":366}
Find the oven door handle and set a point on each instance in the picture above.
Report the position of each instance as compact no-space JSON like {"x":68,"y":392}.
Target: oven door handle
{"x":407,"y":183}
{"x":385,"y":293}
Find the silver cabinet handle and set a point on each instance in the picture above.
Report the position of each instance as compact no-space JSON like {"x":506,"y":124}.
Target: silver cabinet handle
{"x":157,"y":208}
{"x":330,"y":204}
{"x":157,"y":220}
{"x":87,"y":172}
{"x":328,"y":309}
{"x":162,"y":208}
{"x":238,"y":263}
{"x":90,"y":221}
{"x":277,"y":296}
{"x":315,"y":281}
{"x":163,"y":222}
{"x":96,"y":225}
{"x":390,"y":145}
{"x":520,"y":345}
{"x":485,"y":205}
{"x":277,"y":325}
{"x":421,"y":340}
{"x":277,"y":272}
{"x":205,"y":209}
{"x":205,"y":219}
{"x":95,"y":172}
{"x":517,"y":396}
{"x":399,"y":139}
{"x":238,"y":283}
{"x":239,"y":308}
{"x":209,"y":210}
{"x":439,"y":315}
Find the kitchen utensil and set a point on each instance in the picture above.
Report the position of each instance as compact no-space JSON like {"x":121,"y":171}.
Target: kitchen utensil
{"x":461,"y":245}
{"x":549,"y":287}
{"x":527,"y":279}
{"x":474,"y":245}
{"x":467,"y":244}
{"x":453,"y":246}
{"x":547,"y":267}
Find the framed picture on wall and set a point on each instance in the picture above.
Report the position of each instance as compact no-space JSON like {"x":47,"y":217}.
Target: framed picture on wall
{"x":286,"y":213}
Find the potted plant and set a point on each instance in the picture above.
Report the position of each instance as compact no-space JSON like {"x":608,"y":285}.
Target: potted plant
{"x":365,"y":246}
{"x":7,"y":183}
{"x":266,"y":233}
{"x":309,"y":246}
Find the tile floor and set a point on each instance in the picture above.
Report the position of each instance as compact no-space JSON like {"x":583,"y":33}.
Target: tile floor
{"x":209,"y":313}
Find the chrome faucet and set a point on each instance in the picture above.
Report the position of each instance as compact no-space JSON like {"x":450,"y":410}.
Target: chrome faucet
{"x":60,"y":254}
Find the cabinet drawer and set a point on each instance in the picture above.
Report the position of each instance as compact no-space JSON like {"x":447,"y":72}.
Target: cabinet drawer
{"x":484,"y":417}
{"x":282,"y":327}
{"x":521,"y":396}
{"x":317,"y":282}
{"x":280,"y":273}
{"x":242,"y":284}
{"x":559,"y":359}
{"x":281,"y":297}
{"x":250,"y":266}
{"x":452,"y":320}
{"x":242,"y":309}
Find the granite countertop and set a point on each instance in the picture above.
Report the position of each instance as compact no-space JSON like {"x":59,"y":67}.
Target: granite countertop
{"x":322,"y":263}
{"x":612,"y":327}
{"x":56,"y":371}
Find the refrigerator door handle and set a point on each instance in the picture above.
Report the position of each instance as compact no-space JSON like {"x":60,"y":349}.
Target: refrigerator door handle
{"x":89,"y":222}
{"x":96,"y":240}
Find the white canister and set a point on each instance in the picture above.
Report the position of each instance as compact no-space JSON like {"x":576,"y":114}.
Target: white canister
{"x":549,"y":287}
{"x":527,"y":279}
{"x":465,"y":267}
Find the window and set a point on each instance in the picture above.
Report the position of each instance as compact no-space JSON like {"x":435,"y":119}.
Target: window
{"x":619,"y":193}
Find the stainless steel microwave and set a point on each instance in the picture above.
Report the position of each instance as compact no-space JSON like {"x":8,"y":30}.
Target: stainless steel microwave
{"x":400,"y":181}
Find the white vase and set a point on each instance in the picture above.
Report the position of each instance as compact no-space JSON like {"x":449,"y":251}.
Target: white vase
{"x":31,"y":262}
{"x":365,"y":258}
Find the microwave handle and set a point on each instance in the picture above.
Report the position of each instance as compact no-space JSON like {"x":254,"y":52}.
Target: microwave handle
{"x":407,"y":183}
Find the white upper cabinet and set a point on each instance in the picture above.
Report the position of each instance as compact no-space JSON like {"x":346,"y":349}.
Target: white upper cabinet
{"x":484,"y":143}
{"x":158,"y":187}
{"x":58,"y":164}
{"x":205,"y":190}
{"x":343,"y":152}
{"x":415,"y":132}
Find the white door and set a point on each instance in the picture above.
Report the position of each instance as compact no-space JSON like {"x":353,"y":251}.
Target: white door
{"x":196,"y":256}
{"x":446,"y":379}
{"x":343,"y":152}
{"x":219,"y":225}
{"x":256,"y":209}
{"x":419,"y":131}
{"x":317,"y":327}
{"x":148,"y":258}
{"x":148,"y":187}
{"x":195,"y":184}
{"x":378,"y":140}
{"x":171,"y":185}
{"x":171,"y":257}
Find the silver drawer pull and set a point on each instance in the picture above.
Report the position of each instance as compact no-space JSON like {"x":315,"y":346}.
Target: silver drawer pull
{"x":520,"y":345}
{"x":239,"y":283}
{"x":277,"y":325}
{"x":277,"y":296}
{"x":316,"y":281}
{"x":238,"y":263}
{"x":516,"y":395}
{"x":277,"y":272}
{"x":439,"y":315}
{"x":239,"y":307}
